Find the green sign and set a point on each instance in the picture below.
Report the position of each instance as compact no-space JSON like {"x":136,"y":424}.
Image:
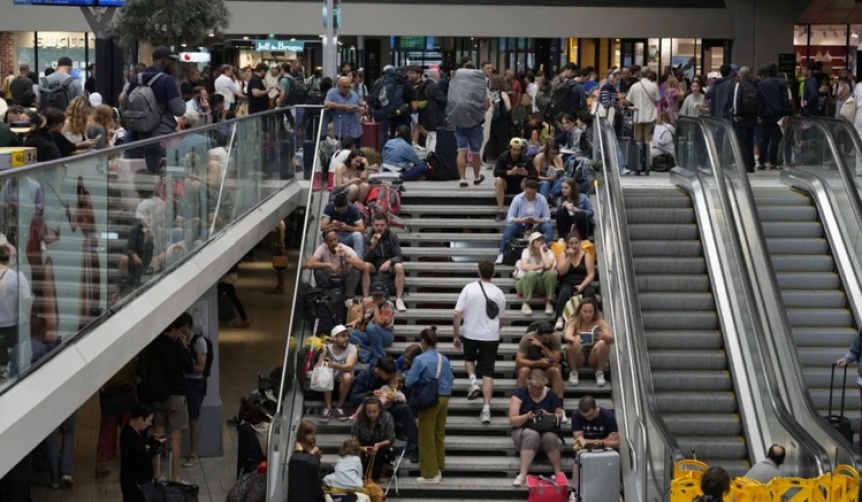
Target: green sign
{"x":279,"y":46}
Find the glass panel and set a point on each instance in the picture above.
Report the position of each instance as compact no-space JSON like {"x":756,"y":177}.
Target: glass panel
{"x":684,"y":56}
{"x":86,"y":234}
{"x":653,"y":54}
{"x":854,"y":47}
{"x":666,"y":57}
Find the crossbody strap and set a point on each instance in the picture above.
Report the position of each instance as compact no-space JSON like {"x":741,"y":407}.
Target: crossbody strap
{"x":439,"y":365}
{"x":483,"y":291}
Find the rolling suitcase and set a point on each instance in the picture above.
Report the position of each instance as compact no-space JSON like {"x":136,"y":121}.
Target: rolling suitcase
{"x":840,"y":422}
{"x":371,"y":135}
{"x":598,"y":475}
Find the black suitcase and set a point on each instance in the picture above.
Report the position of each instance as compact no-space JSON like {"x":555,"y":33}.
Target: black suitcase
{"x":248,"y":453}
{"x":307,"y":159}
{"x":447,"y":147}
{"x":840,"y":422}
{"x":326,"y":306}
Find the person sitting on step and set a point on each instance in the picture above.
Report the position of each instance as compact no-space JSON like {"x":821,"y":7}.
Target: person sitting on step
{"x":528,"y":408}
{"x":343,"y":217}
{"x":576,"y":270}
{"x":383,"y":253}
{"x":536,"y":272}
{"x":529,"y":211}
{"x":340,"y":355}
{"x":593,"y":428}
{"x":588,"y":339}
{"x":510,"y":171}
{"x":399,"y":156}
{"x":542,"y":349}
{"x":334,"y":264}
{"x":374,"y":333}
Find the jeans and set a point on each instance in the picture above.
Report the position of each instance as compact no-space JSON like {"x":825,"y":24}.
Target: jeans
{"x":771,"y":143}
{"x":414,"y":172}
{"x":354,"y":240}
{"x":515,"y":229}
{"x":350,"y":278}
{"x":60,"y":455}
{"x":402,"y":414}
{"x":372,"y":342}
{"x":551,"y":189}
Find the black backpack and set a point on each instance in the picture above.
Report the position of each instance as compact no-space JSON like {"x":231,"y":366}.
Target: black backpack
{"x":439,"y":169}
{"x":210,"y":356}
{"x":153,"y":387}
{"x":561,"y":101}
{"x":55,"y":94}
{"x":749,"y":101}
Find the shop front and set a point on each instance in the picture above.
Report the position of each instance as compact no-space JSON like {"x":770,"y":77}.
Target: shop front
{"x":834,"y":45}
{"x":42,"y":49}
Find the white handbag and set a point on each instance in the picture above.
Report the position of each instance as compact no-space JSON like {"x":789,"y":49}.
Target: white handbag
{"x":322,"y":378}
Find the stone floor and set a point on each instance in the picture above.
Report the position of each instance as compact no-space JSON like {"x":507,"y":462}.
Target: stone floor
{"x":244,"y":353}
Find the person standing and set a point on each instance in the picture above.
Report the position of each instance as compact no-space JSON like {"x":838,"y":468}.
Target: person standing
{"x":644,"y":97}
{"x":468,"y":102}
{"x":258,"y":92}
{"x":432,"y":421}
{"x":776,"y":106}
{"x":347,"y":109}
{"x":196,"y":385}
{"x":854,"y":355}
{"x":746,"y":106}
{"x":481,"y":338}
{"x":137,"y":453}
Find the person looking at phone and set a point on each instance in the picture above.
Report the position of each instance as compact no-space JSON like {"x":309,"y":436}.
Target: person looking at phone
{"x":509,"y":173}
{"x":351,"y":177}
{"x":542,"y":349}
{"x":374,"y":428}
{"x":588,"y":338}
{"x":345,"y":109}
{"x":257,"y":91}
{"x":536,"y":273}
{"x":529,"y":212}
{"x":343,"y":217}
{"x":341,"y":356}
{"x":529,"y":406}
{"x":593,"y":428}
{"x":137,"y":452}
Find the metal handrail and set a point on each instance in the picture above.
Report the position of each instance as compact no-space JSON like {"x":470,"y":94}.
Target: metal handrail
{"x":630,"y":323}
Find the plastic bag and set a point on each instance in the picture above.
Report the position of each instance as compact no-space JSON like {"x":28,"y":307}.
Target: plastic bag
{"x":323,"y":378}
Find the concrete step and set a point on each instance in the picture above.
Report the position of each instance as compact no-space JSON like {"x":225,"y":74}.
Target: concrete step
{"x":453,"y":268}
{"x":457,"y":404}
{"x":432,"y":210}
{"x":455,"y":222}
{"x":448,"y":237}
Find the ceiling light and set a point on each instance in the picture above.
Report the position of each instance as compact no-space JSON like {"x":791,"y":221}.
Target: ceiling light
{"x":245,"y":38}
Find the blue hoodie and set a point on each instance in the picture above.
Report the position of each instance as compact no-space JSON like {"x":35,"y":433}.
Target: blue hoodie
{"x":167,"y":96}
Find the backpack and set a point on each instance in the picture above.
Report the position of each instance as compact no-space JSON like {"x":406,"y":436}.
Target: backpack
{"x":250,"y":487}
{"x":210,"y":356}
{"x":560,"y":101}
{"x":748,"y":98}
{"x":142,"y":112}
{"x":543,"y":97}
{"x":388,"y":96}
{"x":291,"y":98}
{"x":385,"y":200}
{"x":439,"y":169}
{"x":55,"y":94}
{"x":301,"y":92}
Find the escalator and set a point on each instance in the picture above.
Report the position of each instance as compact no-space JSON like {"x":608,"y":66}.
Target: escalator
{"x":817,"y":307}
{"x":693,"y":385}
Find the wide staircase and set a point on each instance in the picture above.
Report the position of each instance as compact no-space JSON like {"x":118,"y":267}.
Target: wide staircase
{"x":817,"y":308}
{"x":691,"y":377}
{"x":449,"y":229}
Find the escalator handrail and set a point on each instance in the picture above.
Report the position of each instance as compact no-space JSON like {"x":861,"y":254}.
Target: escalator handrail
{"x":776,"y":333}
{"x":632,"y":321}
{"x":736,"y":238}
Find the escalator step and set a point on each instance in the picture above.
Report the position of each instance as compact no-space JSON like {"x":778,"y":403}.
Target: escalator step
{"x":808,"y":280}
{"x":681,"y":320}
{"x":787,"y":213}
{"x":798,"y":246}
{"x":808,"y":263}
{"x":792,"y":229}
{"x":686,"y":231}
{"x":667,"y":248}
{"x":717,"y":447}
{"x":677,"y":301}
{"x":681,"y":382}
{"x":651,"y":202}
{"x":821,"y":336}
{"x":704,"y":402}
{"x":661,"y":265}
{"x":820,"y":317}
{"x":814,"y":299}
{"x":718,"y":424}
{"x":669,"y":283}
{"x":693,"y":360}
{"x":691,"y":340}
{"x":661,"y":216}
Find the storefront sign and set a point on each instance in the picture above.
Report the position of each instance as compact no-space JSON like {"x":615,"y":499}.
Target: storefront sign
{"x":195,"y":57}
{"x":279,"y":46}
{"x":63,"y":41}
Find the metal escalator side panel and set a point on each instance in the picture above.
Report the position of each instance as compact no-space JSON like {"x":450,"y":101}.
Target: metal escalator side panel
{"x":282,"y":431}
{"x":649,"y":450}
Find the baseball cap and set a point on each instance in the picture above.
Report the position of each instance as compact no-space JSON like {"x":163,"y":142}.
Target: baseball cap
{"x":162,"y":52}
{"x":516,"y":142}
{"x":95,"y":99}
{"x":734,"y":68}
{"x":338,"y":329}
{"x":378,"y":289}
{"x":536,"y":235}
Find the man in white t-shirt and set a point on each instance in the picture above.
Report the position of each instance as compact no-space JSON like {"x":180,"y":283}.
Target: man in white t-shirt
{"x":481,"y":334}
{"x":225,"y":86}
{"x":341,"y":356}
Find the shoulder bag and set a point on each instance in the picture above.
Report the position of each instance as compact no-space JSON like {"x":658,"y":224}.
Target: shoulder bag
{"x":423,"y":395}
{"x":544,"y":423}
{"x":492,"y":310}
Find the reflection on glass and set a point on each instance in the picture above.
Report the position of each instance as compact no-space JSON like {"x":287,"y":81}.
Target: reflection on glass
{"x":81,"y":237}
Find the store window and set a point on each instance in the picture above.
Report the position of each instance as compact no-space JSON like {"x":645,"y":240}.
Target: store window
{"x":42,"y":49}
{"x":854,"y":47}
{"x":683,"y":56}
{"x":653,"y":54}
{"x":828,"y":45}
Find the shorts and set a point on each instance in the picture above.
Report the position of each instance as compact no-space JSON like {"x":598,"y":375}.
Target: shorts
{"x":483,"y":353}
{"x":171,"y":414}
{"x":196,"y":389}
{"x":470,"y":137}
{"x":513,"y":184}
{"x":643,"y":132}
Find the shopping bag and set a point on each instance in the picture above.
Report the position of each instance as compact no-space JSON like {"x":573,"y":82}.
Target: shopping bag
{"x":323,"y":378}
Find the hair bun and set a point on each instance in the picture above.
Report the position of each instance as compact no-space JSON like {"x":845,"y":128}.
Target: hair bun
{"x":433,"y":328}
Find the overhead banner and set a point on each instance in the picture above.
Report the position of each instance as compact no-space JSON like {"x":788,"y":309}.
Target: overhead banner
{"x":279,"y":45}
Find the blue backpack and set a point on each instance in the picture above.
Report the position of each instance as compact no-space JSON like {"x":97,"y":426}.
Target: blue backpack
{"x":387,"y":96}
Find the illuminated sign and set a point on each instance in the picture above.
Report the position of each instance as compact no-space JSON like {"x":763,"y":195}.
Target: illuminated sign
{"x":279,"y":46}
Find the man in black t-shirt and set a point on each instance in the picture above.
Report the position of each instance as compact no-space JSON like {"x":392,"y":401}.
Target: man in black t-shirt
{"x":258,"y":94}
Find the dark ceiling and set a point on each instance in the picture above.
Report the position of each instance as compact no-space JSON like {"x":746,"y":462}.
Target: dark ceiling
{"x":831,"y":12}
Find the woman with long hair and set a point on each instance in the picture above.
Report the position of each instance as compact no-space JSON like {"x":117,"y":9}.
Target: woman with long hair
{"x":575,"y":213}
{"x":432,"y":421}
{"x":374,"y":428}
{"x":576,"y":270}
{"x":100,"y":124}
{"x":588,"y":339}
{"x":549,"y":164}
{"x":304,"y":481}
{"x":672,"y":97}
{"x":77,"y":114}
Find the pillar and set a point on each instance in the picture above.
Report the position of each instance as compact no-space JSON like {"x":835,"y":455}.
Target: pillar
{"x":763,"y":30}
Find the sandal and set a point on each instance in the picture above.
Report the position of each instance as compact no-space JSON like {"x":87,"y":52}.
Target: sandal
{"x":518,"y":481}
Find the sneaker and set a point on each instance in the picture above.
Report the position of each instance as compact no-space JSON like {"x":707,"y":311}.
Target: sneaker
{"x":559,"y":325}
{"x":326,"y":416}
{"x":518,"y":481}
{"x":474,"y":392}
{"x":485,"y":416}
{"x":573,"y":497}
{"x":430,"y":481}
{"x":561,"y":479}
{"x":625,"y":172}
{"x":191,"y":461}
{"x":499,"y":259}
{"x":55,"y":486}
{"x":573,"y":378}
{"x":340,"y":415}
{"x":479,"y":180}
{"x":600,"y":379}
{"x":463,"y":184}
{"x":67,"y":481}
{"x":564,"y":419}
{"x":399,"y":305}
{"x":500,"y":216}
{"x":526,"y":309}
{"x":549,"y":309}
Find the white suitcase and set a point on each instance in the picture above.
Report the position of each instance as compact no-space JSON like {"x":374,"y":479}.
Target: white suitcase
{"x":598,"y":475}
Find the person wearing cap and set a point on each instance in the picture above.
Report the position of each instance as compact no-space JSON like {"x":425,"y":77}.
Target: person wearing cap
{"x":541,"y":349}
{"x":61,"y":77}
{"x":166,"y":90}
{"x":340,"y":355}
{"x":720,"y":94}
{"x":378,"y":315}
{"x":536,"y":272}
{"x":510,"y":171}
{"x":257,"y":90}
{"x":529,"y":211}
